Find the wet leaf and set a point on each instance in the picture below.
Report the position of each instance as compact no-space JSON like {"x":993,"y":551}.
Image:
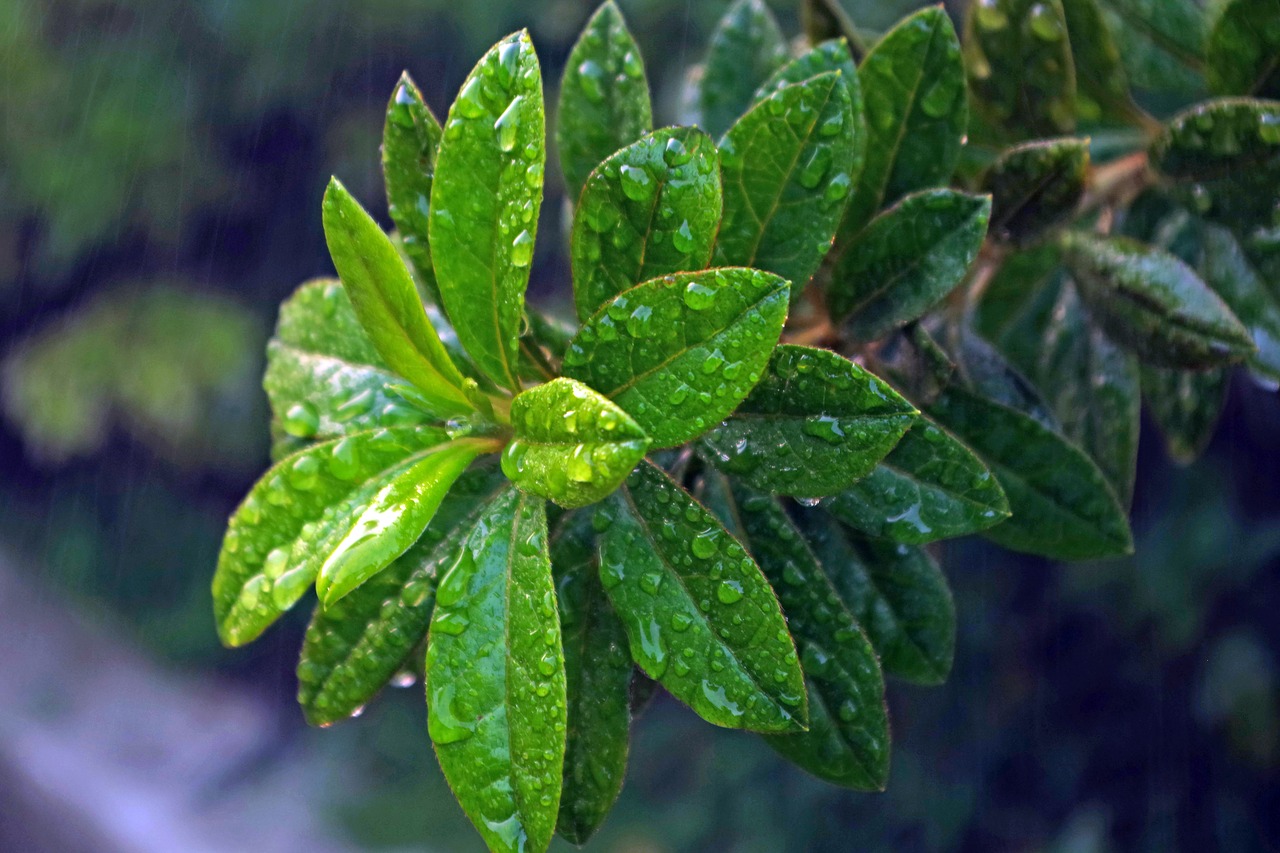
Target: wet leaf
{"x":410,"y":139}
{"x":906,"y":260}
{"x":649,"y":210}
{"x":814,"y":424}
{"x":822,"y":20}
{"x":1102,"y":87}
{"x":983,"y":369}
{"x":604,"y":97}
{"x":1229,"y":271}
{"x":485,"y":203}
{"x":496,"y":706}
{"x":1160,"y":41}
{"x":571,"y":445}
{"x":679,"y":353}
{"x":746,"y":48}
{"x":1035,"y":188}
{"x":1243,"y":50}
{"x":822,"y":58}
{"x":1186,"y":405}
{"x":699,"y":615}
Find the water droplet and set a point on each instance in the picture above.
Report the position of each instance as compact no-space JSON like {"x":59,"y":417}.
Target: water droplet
{"x":636,"y":183}
{"x":1044,"y":23}
{"x":449,"y":622}
{"x":580,"y":468}
{"x":705,"y":544}
{"x":826,"y":428}
{"x":274,"y":565}
{"x":814,"y":171}
{"x":508,"y":62}
{"x":681,"y":622}
{"x":632,"y":65}
{"x":652,"y":654}
{"x":937,"y":101}
{"x":698,"y":296}
{"x":675,"y":153}
{"x":508,"y":123}
{"x":638,"y":321}
{"x":471,"y":99}
{"x":443,"y":722}
{"x":729,"y":592}
{"x":522,"y":249}
{"x":651,"y":582}
{"x":682,"y":238}
{"x":301,"y":420}
{"x":990,"y":16}
{"x":837,"y":188}
{"x":591,"y":77}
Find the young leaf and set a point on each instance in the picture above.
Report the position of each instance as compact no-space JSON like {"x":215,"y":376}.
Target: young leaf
{"x":788,"y":167}
{"x":1153,"y":304}
{"x":571,"y":445}
{"x":387,"y":303}
{"x":274,"y":542}
{"x":746,"y":48}
{"x":1160,"y":43}
{"x":598,"y":672}
{"x":1035,"y":187}
{"x":906,"y":260}
{"x":604,"y":97}
{"x":917,"y":114}
{"x":410,"y":138}
{"x":496,"y":707}
{"x":848,"y":738}
{"x":1243,"y":50}
{"x":823,"y":20}
{"x":1186,"y":405}
{"x":1063,"y":507}
{"x":822,"y":58}
{"x":929,"y":487}
{"x":814,"y":424}
{"x":485,"y":203}
{"x":357,"y":645}
{"x":680,"y":352}
{"x":699,"y":615}
{"x":1102,"y":87}
{"x":1232,"y":276}
{"x":649,"y":210}
{"x":896,"y":592}
{"x":394,"y":518}
{"x":1020,"y":65}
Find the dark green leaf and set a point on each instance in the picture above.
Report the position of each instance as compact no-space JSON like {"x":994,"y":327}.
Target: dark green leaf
{"x":410,"y":138}
{"x":649,"y":210}
{"x":1035,"y":187}
{"x":917,"y":114}
{"x":485,"y":203}
{"x":571,"y":445}
{"x":1015,"y":301}
{"x":604,"y":97}
{"x":357,"y":645}
{"x":1243,"y":51}
{"x":826,"y":19}
{"x":929,"y":487}
{"x":1102,"y":87}
{"x":598,"y":672}
{"x":1232,"y":276}
{"x":1063,"y":507}
{"x":387,"y":302}
{"x":788,"y":165}
{"x":1186,"y":406}
{"x":1153,"y":304}
{"x":679,"y":353}
{"x":700,"y":617}
{"x":906,"y":260}
{"x":984,"y":370}
{"x":293,"y":516}
{"x":822,"y":58}
{"x":496,"y":706}
{"x":897,"y":593}
{"x":814,"y":424}
{"x":746,"y":48}
{"x":1020,"y":65}
{"x":1160,"y":41}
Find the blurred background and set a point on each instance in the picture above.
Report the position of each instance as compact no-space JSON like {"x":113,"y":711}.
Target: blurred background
{"x":161,"y":169}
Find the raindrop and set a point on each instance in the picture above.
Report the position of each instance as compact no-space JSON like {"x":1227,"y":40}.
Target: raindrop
{"x":522,"y":249}
{"x":508,"y":123}
{"x":301,"y":420}
{"x":636,"y":183}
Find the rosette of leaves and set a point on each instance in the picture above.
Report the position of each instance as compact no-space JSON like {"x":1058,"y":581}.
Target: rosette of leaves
{"x":804,"y":349}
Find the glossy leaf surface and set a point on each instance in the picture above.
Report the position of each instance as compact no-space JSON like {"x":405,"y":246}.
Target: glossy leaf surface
{"x":1161,"y":43}
{"x":410,"y":139}
{"x":1233,"y":276}
{"x":1035,"y":187}
{"x":746,"y":48}
{"x":1242,"y":50}
{"x":828,"y":56}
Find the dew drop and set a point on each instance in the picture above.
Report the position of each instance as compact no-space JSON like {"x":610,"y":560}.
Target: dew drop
{"x":522,"y":249}
{"x":508,"y":123}
{"x":301,"y":420}
{"x":636,"y":183}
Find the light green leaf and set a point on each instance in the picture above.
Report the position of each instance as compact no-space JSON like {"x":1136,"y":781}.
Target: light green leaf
{"x":907,"y":260}
{"x":699,"y":615}
{"x":929,"y":487}
{"x":1153,"y":304}
{"x":410,"y":139}
{"x":823,"y":20}
{"x":1186,"y":405}
{"x":387,"y":303}
{"x":1035,"y":187}
{"x":293,"y":516}
{"x":746,"y":48}
{"x":485,"y":203}
{"x":1243,"y":50}
{"x":814,"y":424}
{"x":789,"y":164}
{"x":680,"y":352}
{"x":571,"y":445}
{"x":650,"y":209}
{"x":496,"y":707}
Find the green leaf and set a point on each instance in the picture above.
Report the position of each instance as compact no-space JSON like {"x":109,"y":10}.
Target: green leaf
{"x":848,"y":738}
{"x":822,"y":58}
{"x":789,"y":164}
{"x":571,"y":445}
{"x":410,"y":139}
{"x":604,"y":97}
{"x":1228,"y":270}
{"x":649,"y":210}
{"x":598,"y":672}
{"x":746,"y":48}
{"x":906,"y":260}
{"x":917,"y":114}
{"x":929,"y":487}
{"x":897,"y":593}
{"x":814,"y":424}
{"x":485,"y":203}
{"x":1063,"y":507}
{"x":823,"y":20}
{"x":496,"y":707}
{"x":1014,"y":301}
{"x":1102,"y":87}
{"x":1020,"y":65}
{"x":1186,"y":405}
{"x":1160,"y":42}
{"x":394,"y":517}
{"x":699,"y":615}
{"x":358,"y":644}
{"x":1035,"y":188}
{"x":1153,"y":304}
{"x":1243,"y":50}
{"x":283,"y":530}
{"x":387,"y":302}
{"x":680,"y":352}
{"x":982,"y":368}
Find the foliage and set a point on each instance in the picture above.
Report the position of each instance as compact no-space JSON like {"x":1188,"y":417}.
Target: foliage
{"x":766,"y":412}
